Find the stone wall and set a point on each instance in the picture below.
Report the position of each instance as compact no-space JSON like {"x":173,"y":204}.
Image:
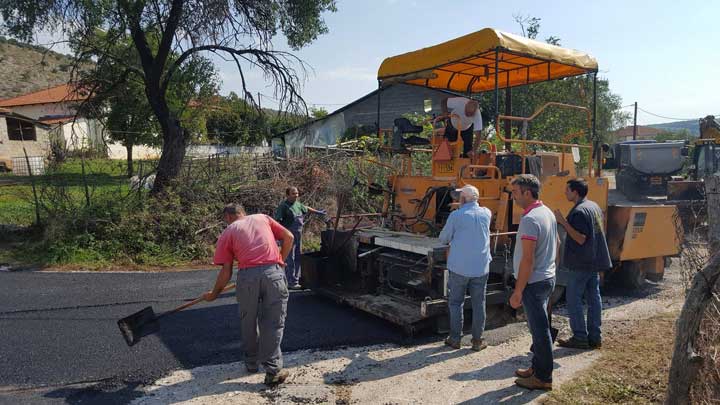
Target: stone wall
{"x":10,"y":149}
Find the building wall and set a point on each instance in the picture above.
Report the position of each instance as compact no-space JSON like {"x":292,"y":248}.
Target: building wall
{"x":78,"y":134}
{"x":40,"y":110}
{"x":395,"y":101}
{"x":11,"y":149}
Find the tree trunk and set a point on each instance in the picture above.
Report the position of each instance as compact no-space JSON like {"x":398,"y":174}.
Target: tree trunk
{"x":686,"y":361}
{"x":130,"y":169}
{"x":173,"y":153}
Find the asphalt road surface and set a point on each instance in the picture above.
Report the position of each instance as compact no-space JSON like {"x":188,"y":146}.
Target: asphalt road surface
{"x":59,"y":340}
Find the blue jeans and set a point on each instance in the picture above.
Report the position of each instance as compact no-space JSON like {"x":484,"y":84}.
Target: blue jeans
{"x":457,"y":286}
{"x":584,"y":283}
{"x":292,"y":270}
{"x":535,"y":301}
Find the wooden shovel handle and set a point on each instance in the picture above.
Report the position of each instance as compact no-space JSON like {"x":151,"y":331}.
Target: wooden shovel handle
{"x":196,"y":301}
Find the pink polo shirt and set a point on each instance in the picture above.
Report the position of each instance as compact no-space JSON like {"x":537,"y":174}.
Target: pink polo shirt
{"x":251,"y":240}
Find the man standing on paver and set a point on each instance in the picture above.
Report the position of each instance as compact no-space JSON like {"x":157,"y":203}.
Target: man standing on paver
{"x":467,"y":231}
{"x":586,"y":255}
{"x":464,"y":116}
{"x":534,"y":268}
{"x":262,"y":292}
{"x":291,"y":214}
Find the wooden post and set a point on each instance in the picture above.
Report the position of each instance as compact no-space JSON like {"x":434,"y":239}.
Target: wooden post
{"x":30,"y":173}
{"x":686,"y":361}
{"x":712,"y":196}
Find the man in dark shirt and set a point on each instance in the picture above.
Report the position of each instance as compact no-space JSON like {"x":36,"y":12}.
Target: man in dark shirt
{"x":291,"y":214}
{"x":586,"y":255}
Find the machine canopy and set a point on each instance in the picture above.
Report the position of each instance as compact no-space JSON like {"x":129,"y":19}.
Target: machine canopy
{"x":467,"y":64}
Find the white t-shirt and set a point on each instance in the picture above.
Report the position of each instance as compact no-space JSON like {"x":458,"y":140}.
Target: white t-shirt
{"x":456,"y":105}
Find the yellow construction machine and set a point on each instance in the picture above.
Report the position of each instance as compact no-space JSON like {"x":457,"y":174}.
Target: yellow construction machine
{"x":705,"y":161}
{"x":397,"y":270}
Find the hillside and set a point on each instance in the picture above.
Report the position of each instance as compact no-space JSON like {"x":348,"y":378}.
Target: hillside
{"x":26,"y":68}
{"x":691,"y":125}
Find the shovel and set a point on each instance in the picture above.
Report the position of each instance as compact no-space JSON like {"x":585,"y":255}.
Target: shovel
{"x":144,"y":322}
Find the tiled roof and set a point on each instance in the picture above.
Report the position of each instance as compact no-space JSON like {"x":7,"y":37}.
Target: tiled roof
{"x":628,"y":131}
{"x":57,"y":94}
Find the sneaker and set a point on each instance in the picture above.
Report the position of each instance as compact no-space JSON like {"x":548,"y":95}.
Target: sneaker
{"x":524,"y":372}
{"x":478,"y":345}
{"x":278,"y":378}
{"x":452,"y":343}
{"x":295,"y":287}
{"x":595,"y":345}
{"x":251,"y":368}
{"x":533,"y":383}
{"x":573,"y":343}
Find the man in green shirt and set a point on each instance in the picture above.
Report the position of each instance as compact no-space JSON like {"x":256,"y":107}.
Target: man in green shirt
{"x":291,"y":214}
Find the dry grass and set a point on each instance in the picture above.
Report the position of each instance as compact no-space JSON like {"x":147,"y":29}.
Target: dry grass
{"x":633,"y":367}
{"x":25,"y":69}
{"x":706,"y":389}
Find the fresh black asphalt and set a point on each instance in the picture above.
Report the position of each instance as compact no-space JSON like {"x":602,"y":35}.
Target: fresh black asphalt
{"x":59,"y":340}
{"x":60,"y":343}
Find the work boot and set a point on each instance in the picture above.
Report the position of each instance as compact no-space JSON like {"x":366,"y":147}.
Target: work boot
{"x":278,"y":378}
{"x":573,"y":343}
{"x":533,"y":383}
{"x":452,"y":343}
{"x":478,"y":345}
{"x":595,"y":344}
{"x":524,"y":372}
{"x":251,"y":368}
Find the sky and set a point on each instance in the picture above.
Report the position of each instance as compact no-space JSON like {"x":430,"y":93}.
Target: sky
{"x":662,"y":54}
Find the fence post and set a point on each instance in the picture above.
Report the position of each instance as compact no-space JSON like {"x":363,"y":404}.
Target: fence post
{"x":32,"y":178}
{"x":712,"y":194}
{"x":686,"y":361}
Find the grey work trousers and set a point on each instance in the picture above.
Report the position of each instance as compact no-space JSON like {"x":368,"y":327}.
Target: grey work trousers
{"x":262,"y":297}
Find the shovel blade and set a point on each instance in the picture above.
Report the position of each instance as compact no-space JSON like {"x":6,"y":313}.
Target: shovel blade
{"x":134,"y":326}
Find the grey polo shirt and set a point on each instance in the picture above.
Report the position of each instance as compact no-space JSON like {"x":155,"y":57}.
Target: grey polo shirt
{"x":538,"y":224}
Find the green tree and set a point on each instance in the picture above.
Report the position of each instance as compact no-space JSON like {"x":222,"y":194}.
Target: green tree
{"x":681,"y":135}
{"x":122,"y":104}
{"x":555,"y":123}
{"x":232,"y":120}
{"x":241,"y":30}
{"x":318,"y":112}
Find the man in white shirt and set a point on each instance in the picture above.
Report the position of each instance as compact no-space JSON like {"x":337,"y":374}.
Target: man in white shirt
{"x":467,"y":119}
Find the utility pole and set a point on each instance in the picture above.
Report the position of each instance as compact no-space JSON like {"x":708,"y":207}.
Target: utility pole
{"x":635,"y":123}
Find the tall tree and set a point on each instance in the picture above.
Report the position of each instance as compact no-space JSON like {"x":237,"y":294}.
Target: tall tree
{"x":241,"y":30}
{"x":122,"y":104}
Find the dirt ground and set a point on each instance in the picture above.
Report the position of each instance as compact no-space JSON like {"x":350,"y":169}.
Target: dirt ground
{"x":427,"y":373}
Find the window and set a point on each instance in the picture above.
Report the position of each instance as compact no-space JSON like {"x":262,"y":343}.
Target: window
{"x":19,"y":130}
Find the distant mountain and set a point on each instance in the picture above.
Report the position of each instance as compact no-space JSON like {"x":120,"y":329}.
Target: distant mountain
{"x":691,"y":125}
{"x":26,"y":68}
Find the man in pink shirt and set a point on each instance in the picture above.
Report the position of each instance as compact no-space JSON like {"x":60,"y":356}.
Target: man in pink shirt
{"x":262,"y":292}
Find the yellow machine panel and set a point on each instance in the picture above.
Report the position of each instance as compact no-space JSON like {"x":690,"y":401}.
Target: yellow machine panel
{"x":646,"y":231}
{"x":552,"y":195}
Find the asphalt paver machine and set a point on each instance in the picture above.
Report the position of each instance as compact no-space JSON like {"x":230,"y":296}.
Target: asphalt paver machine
{"x":397,"y":270}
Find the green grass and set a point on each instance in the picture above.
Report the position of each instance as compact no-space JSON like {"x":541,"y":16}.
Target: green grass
{"x":16,"y":205}
{"x":101,"y":176}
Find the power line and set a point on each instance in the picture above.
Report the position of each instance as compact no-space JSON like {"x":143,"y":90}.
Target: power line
{"x":667,"y":118}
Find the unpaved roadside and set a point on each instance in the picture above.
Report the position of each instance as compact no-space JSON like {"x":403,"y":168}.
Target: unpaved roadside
{"x":389,"y":374}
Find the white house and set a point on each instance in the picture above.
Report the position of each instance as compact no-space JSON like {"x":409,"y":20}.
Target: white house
{"x":56,"y":107}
